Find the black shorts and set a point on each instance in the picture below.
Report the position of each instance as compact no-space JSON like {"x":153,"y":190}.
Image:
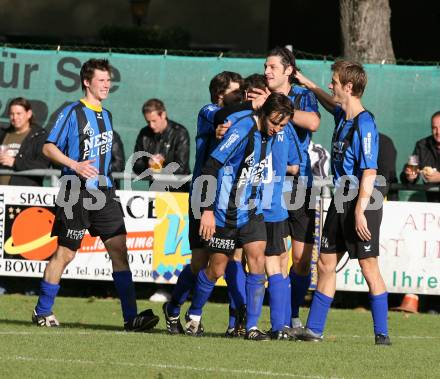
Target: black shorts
{"x":106,"y":222}
{"x":339,"y":234}
{"x":302,"y":220}
{"x":195,"y":241}
{"x":276,"y":233}
{"x":225,"y":240}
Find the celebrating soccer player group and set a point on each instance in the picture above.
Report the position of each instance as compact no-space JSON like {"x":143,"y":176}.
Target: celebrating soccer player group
{"x":252,"y":188}
{"x":257,"y":151}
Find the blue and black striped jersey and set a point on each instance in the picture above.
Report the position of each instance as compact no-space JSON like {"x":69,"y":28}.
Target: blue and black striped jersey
{"x":205,"y":138}
{"x":284,"y":153}
{"x":304,"y":100}
{"x":83,"y":132}
{"x":243,"y":154}
{"x":355,"y":145}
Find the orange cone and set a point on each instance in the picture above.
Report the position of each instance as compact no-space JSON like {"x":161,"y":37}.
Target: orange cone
{"x":410,"y":304}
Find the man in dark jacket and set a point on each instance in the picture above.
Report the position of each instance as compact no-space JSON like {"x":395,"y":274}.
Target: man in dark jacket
{"x":166,"y":141}
{"x":428,"y":153}
{"x":21,"y":145}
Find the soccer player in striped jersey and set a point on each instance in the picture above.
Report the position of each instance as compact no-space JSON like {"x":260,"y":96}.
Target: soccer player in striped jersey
{"x":284,"y":160}
{"x":280,"y":68}
{"x":81,"y":142}
{"x":355,"y":227}
{"x":220,"y":85}
{"x":207,"y":138}
{"x":239,"y":163}
{"x":235,"y":275}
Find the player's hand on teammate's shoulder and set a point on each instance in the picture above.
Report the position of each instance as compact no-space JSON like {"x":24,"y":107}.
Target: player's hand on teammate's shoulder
{"x":85,"y":169}
{"x":221,"y":129}
{"x":207,"y":225}
{"x":258,"y":97}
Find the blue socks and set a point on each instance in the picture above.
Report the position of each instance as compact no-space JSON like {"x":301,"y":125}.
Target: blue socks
{"x":321,"y":304}
{"x":202,"y":291}
{"x":277,"y":291}
{"x":287,"y":299}
{"x":48,"y":292}
{"x":232,"y":314}
{"x":236,"y":280}
{"x":318,"y":312}
{"x":379,"y":311}
{"x":127,"y":294}
{"x":254,"y":298}
{"x":185,"y":283}
{"x":300,"y":285}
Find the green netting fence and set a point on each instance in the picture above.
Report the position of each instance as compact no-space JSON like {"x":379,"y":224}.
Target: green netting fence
{"x":401,"y":97}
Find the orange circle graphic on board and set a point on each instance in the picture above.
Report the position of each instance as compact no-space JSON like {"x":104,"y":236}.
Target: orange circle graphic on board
{"x":30,"y":234}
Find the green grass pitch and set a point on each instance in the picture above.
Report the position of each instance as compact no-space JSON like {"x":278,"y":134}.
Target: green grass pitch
{"x":91,"y":344}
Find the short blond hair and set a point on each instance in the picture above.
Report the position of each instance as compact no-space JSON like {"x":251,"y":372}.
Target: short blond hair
{"x":351,"y":72}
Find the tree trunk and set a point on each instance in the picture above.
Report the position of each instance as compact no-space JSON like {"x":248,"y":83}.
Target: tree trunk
{"x":366,"y":35}
{"x":139,"y":11}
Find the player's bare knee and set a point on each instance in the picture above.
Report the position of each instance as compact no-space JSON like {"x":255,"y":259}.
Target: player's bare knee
{"x":217,"y":266}
{"x":120,"y":251}
{"x":256,"y":264}
{"x":195,"y":267}
{"x":213,"y":273}
{"x":301,"y":264}
{"x":369,"y":267}
{"x":198,"y":265}
{"x":273,"y":265}
{"x":64,"y":255}
{"x":119,"y":258}
{"x":326,"y":267}
{"x":370,"y":273}
{"x":199,"y":260}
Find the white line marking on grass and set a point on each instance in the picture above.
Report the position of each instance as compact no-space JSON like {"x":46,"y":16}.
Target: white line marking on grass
{"x":391,"y":335}
{"x":63,"y":332}
{"x":167,"y":367}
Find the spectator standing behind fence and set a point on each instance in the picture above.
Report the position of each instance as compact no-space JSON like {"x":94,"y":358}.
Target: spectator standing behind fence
{"x":166,"y":141}
{"x":21,"y":145}
{"x":427,"y":151}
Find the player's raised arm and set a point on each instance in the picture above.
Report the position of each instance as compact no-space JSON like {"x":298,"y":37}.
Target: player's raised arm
{"x":307,"y":120}
{"x":324,"y":98}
